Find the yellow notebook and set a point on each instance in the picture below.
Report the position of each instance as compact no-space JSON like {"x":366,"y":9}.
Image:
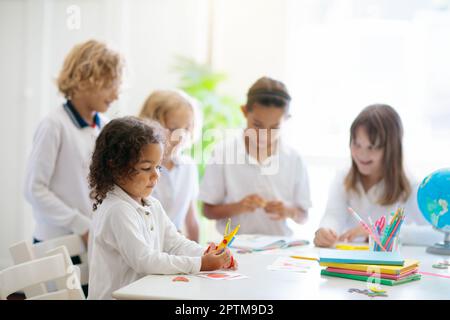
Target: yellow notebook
{"x":396,"y":270}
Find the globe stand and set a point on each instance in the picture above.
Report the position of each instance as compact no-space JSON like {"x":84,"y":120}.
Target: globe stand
{"x":441,"y":248}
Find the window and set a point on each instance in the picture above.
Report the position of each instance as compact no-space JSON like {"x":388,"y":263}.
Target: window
{"x":345,"y":55}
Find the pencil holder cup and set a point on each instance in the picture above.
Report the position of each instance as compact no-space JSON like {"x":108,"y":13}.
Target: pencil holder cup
{"x":392,"y":246}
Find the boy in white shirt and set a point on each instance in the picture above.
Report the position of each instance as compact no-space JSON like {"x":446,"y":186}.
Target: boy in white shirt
{"x":56,"y":179}
{"x":267,"y":182}
{"x":131,"y":234}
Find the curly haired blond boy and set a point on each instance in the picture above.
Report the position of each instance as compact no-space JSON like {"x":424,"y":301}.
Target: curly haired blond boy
{"x":56,"y":180}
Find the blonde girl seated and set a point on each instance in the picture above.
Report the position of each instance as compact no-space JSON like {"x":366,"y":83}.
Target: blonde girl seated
{"x":177,"y":188}
{"x":376,"y":183}
{"x":131,"y":234}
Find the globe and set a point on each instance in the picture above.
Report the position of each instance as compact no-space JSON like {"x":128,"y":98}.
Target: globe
{"x":433,"y":198}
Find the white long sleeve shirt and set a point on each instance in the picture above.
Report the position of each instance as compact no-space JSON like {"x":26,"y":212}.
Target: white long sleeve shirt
{"x":415,"y":231}
{"x":56,"y":183}
{"x":233,"y":174}
{"x":130,"y":241}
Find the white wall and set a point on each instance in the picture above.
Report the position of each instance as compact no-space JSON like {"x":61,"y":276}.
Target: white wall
{"x":12,"y":148}
{"x":250,"y":41}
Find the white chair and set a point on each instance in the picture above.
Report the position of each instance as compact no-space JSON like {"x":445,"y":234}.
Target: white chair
{"x":25,"y":251}
{"x":56,"y":267}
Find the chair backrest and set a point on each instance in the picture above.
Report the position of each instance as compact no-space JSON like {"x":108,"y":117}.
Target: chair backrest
{"x":56,"y":267}
{"x":25,"y":251}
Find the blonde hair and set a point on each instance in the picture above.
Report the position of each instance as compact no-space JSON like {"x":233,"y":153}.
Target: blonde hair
{"x":90,"y":64}
{"x":161,"y":102}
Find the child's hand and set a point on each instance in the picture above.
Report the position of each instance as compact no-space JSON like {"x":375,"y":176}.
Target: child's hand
{"x":276,"y":210}
{"x":213,"y":261}
{"x":325,"y":237}
{"x":233,"y":265}
{"x":351,"y":234}
{"x":251,"y":202}
{"x":211,"y":247}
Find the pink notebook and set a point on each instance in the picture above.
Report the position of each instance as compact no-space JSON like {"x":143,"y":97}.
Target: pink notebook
{"x":382,"y":275}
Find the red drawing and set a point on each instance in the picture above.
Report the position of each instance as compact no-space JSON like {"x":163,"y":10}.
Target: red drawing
{"x":182,"y":279}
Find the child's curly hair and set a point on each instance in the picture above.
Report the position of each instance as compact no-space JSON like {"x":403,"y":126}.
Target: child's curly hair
{"x":90,"y":64}
{"x":117,"y":151}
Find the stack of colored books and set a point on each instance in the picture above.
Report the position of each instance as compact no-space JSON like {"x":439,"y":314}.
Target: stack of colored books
{"x":388,"y":267}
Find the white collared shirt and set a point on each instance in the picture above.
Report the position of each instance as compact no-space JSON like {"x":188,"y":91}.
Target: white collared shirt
{"x":177,"y":188}
{"x":282,"y":176}
{"x":56,"y":183}
{"x":130,"y":241}
{"x":415,"y":230}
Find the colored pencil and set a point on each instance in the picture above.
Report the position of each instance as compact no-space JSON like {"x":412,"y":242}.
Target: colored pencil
{"x":366,"y":227}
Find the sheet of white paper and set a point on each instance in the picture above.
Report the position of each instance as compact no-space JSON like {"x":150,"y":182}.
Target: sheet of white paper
{"x":291,"y":264}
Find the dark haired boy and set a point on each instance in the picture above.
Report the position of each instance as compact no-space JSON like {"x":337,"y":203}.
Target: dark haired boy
{"x":271,"y":184}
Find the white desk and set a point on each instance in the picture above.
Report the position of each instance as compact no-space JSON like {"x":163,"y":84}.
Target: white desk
{"x":265,"y":284}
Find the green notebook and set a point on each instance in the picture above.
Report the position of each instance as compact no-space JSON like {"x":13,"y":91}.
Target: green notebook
{"x":388,"y":282}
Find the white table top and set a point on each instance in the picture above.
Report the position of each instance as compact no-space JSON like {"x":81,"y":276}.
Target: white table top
{"x":264,"y":284}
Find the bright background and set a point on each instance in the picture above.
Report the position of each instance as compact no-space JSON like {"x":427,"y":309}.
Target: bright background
{"x":335,"y":56}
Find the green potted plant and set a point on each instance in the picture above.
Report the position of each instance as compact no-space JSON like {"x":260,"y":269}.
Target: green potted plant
{"x":218,"y":111}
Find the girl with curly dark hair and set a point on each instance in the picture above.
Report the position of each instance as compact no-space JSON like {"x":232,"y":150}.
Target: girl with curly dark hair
{"x":131,"y":234}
